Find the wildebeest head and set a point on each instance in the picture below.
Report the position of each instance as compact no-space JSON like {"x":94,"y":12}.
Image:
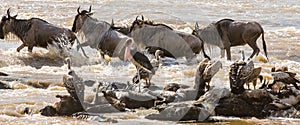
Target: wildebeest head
{"x":80,"y":18}
{"x":5,"y":24}
{"x":196,"y":30}
{"x":137,"y":23}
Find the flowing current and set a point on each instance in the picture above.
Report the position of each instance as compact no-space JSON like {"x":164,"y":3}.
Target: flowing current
{"x":37,"y":77}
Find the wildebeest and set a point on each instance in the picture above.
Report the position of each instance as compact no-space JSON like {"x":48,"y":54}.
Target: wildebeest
{"x":34,"y":32}
{"x":194,"y":43}
{"x":99,"y":35}
{"x":227,"y":33}
{"x":160,"y":36}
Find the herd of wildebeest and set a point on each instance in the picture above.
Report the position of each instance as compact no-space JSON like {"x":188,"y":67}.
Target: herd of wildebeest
{"x":129,"y":43}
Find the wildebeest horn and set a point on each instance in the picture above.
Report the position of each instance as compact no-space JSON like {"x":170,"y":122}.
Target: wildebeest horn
{"x":90,"y":8}
{"x":136,"y":19}
{"x":78,"y":10}
{"x":8,"y":12}
{"x":143,"y":17}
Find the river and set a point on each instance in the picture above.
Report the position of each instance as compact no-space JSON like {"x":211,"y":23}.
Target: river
{"x":279,"y":18}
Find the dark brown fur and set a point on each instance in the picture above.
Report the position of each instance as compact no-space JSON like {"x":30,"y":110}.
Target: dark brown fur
{"x":236,"y":33}
{"x":33,"y":32}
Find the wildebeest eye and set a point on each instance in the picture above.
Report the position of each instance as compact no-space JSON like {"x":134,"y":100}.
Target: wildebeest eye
{"x":4,"y":18}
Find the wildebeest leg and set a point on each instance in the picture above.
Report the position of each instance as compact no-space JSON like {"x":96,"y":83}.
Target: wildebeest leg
{"x":21,"y":47}
{"x":255,"y":49}
{"x":139,"y":77}
{"x":86,"y":43}
{"x":222,"y":53}
{"x":228,"y":53}
{"x":30,"y":47}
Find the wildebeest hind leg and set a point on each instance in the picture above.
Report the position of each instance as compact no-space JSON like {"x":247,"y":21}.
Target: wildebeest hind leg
{"x":255,"y":49}
{"x":21,"y":47}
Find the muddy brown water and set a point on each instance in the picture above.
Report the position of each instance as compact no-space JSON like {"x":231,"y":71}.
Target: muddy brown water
{"x":279,"y":18}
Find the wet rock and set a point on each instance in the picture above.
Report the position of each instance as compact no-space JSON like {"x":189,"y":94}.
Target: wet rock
{"x":3,"y":74}
{"x":104,"y":108}
{"x":134,"y":99}
{"x":181,"y":112}
{"x":4,"y":86}
{"x":198,"y":110}
{"x":48,"y":111}
{"x":65,"y":107}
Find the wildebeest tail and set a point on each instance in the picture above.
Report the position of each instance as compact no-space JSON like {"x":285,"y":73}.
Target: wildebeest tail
{"x":203,"y":51}
{"x":264,"y":42}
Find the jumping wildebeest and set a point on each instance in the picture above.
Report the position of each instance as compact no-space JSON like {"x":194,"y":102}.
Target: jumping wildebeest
{"x":160,"y":36}
{"x":34,"y":32}
{"x":227,"y":33}
{"x":99,"y":35}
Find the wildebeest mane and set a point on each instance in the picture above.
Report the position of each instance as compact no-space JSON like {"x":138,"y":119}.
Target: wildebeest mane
{"x":151,"y":23}
{"x":218,"y":25}
{"x":74,"y":23}
{"x":21,"y":27}
{"x":76,"y":17}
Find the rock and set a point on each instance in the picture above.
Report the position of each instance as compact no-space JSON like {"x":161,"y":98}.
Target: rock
{"x":3,"y":74}
{"x":4,"y":86}
{"x":198,"y":110}
{"x":48,"y":111}
{"x":65,"y":107}
{"x":181,"y":112}
{"x":104,"y":108}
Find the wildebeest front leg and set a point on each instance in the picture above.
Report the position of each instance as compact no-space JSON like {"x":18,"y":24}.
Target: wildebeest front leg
{"x":86,"y":43}
{"x":222,"y":53}
{"x":228,"y":53}
{"x":21,"y":47}
{"x":30,"y":48}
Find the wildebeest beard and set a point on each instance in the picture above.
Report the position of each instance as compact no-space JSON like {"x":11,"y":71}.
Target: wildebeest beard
{"x":74,"y":23}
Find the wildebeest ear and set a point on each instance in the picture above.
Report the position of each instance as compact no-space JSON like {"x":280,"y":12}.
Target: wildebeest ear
{"x":15,"y":16}
{"x":196,"y":26}
{"x":112,"y":22}
{"x":136,"y":19}
{"x":90,"y":8}
{"x":90,"y":14}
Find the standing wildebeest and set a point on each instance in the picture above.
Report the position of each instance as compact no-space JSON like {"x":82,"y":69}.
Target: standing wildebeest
{"x":227,"y":33}
{"x":34,"y":32}
{"x":99,"y":35}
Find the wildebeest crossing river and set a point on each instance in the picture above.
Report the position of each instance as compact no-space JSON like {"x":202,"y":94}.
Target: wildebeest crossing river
{"x":37,"y":77}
